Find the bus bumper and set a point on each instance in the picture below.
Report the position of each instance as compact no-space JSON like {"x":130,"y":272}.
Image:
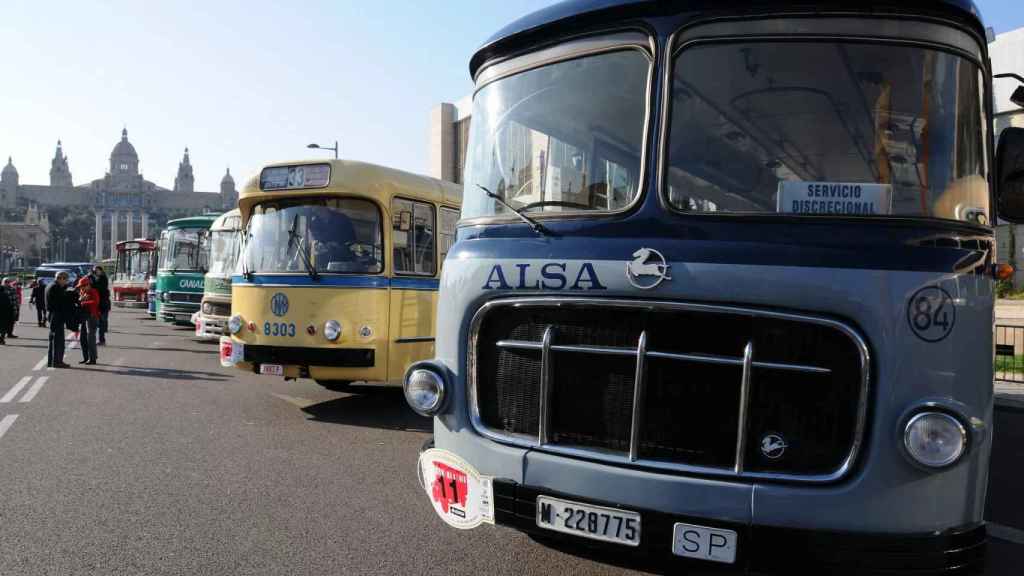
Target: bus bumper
{"x":210,"y":327}
{"x":768,"y":549}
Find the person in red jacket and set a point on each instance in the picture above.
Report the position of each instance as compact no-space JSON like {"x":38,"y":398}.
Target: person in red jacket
{"x":89,"y":315}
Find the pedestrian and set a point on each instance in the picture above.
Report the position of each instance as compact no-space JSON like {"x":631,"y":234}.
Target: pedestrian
{"x":14,"y":296}
{"x":6,"y":311}
{"x":89,"y":315}
{"x":38,"y":298}
{"x":58,"y":305}
{"x":101,"y":283}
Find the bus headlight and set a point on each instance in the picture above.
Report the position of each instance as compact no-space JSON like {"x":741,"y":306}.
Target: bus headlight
{"x":935,"y":439}
{"x":424,"y":389}
{"x":207,"y":308}
{"x":332,"y":330}
{"x":235,"y":324}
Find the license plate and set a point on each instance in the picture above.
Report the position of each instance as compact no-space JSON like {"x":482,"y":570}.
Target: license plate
{"x":714,"y":544}
{"x":272,"y":369}
{"x":597,"y":522}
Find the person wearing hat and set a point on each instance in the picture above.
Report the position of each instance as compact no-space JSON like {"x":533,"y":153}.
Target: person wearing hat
{"x":58,"y":305}
{"x":89,"y":315}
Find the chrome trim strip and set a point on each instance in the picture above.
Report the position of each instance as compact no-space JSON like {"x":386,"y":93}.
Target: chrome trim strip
{"x":639,"y":393}
{"x":544,"y":414}
{"x":412,"y":339}
{"x":702,"y":358}
{"x":530,"y":440}
{"x":741,"y":427}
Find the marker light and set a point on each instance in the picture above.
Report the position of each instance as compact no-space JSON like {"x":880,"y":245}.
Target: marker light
{"x":935,"y":439}
{"x":252,"y":326}
{"x":424,"y":391}
{"x":235,"y":324}
{"x":332,"y":330}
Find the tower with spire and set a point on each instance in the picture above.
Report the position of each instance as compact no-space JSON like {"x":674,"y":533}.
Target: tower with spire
{"x":8,"y":185}
{"x":60,"y":173}
{"x":184,"y":181}
{"x":228,"y":193}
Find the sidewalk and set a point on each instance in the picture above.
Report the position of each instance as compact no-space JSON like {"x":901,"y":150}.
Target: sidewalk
{"x":1010,"y":312}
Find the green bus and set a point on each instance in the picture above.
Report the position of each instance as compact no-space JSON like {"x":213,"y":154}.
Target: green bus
{"x":184,"y":258}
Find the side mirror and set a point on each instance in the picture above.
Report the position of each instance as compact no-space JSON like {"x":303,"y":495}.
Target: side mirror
{"x":1010,"y":175}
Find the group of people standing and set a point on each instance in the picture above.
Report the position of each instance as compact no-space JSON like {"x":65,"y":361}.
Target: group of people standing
{"x":82,"y":308}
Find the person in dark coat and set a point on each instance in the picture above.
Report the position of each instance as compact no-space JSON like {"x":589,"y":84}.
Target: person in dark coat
{"x":6,"y":312}
{"x":14,"y":295}
{"x":38,"y":299}
{"x":58,"y":304}
{"x":101,"y":283}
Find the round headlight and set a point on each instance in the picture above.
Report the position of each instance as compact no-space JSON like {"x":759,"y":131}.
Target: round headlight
{"x":207,"y":308}
{"x":332,"y":330}
{"x":424,"y":391}
{"x":235,"y":324}
{"x":935,"y":439}
{"x":163,"y":296}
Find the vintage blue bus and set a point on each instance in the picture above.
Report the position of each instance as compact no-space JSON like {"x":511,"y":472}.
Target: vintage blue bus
{"x":723,"y":284}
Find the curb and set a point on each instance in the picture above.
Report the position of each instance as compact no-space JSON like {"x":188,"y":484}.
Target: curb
{"x":1015,"y":401}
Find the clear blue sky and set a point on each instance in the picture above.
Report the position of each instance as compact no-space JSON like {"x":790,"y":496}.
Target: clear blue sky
{"x":243,"y":82}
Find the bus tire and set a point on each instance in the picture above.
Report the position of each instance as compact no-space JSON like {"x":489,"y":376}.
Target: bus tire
{"x":336,"y":385}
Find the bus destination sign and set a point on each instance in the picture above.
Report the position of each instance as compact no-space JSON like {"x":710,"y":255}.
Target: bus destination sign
{"x":292,"y":177}
{"x":834,"y":198}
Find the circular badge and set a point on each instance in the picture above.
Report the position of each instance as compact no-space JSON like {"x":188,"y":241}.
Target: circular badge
{"x":773,"y":446}
{"x":279,"y":304}
{"x":366,"y":332}
{"x":931,"y":313}
{"x":647,"y":269}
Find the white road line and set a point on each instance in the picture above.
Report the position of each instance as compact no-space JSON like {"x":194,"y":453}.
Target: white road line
{"x":1007,"y":533}
{"x":6,"y":423}
{"x":14,"y":391}
{"x":39,"y":365}
{"x":34,"y":389}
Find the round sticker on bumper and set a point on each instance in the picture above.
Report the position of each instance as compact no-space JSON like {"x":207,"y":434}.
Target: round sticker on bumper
{"x":458,"y":493}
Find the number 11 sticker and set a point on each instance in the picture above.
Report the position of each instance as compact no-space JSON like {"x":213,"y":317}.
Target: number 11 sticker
{"x":459,"y":494}
{"x":931,"y":313}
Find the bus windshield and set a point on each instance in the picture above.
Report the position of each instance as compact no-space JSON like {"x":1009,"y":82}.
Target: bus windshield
{"x":331,"y":235}
{"x":133,"y":265}
{"x":224,"y":246}
{"x":535,"y":144}
{"x":187,"y":249}
{"x":827,"y":128}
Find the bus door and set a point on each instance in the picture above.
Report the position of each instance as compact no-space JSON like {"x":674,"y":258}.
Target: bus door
{"x":414,"y":284}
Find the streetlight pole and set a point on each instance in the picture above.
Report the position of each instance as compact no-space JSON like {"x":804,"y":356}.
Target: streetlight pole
{"x":319,"y":147}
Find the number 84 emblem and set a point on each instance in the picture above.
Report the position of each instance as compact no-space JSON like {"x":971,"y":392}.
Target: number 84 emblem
{"x":931,"y":313}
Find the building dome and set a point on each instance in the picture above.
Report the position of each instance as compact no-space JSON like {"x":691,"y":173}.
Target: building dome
{"x":9,"y":169}
{"x":227,"y":179}
{"x":124,"y":148}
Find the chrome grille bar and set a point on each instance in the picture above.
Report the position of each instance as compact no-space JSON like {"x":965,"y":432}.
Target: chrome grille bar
{"x":638,"y":399}
{"x":544,"y":424}
{"x":741,"y":430}
{"x":620,"y":351}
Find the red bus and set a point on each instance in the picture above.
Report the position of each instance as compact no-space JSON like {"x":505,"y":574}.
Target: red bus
{"x":135,"y":266}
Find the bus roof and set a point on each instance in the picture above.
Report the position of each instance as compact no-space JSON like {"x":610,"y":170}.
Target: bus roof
{"x":230,"y":220}
{"x":362,"y":179}
{"x":202,"y":221}
{"x":143,"y":243}
{"x":570,"y":17}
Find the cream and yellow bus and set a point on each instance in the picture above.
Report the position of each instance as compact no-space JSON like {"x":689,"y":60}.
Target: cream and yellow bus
{"x":339,"y":272}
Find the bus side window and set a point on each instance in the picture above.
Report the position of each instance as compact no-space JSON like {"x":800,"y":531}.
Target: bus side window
{"x":413,"y":236}
{"x":446,"y":232}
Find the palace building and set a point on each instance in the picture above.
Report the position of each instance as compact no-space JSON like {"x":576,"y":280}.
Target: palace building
{"x":124,"y":203}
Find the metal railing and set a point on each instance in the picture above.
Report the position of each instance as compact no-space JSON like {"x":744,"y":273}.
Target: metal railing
{"x":1009,"y":366}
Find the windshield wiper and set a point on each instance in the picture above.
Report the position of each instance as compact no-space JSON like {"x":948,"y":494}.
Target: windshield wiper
{"x":293,"y":236}
{"x":533,"y":223}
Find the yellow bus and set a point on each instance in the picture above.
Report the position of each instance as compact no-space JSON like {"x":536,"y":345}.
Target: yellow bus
{"x":339,"y":272}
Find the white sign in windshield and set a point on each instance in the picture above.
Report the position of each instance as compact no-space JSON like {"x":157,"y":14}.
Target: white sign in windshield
{"x":289,"y":177}
{"x":839,"y":198}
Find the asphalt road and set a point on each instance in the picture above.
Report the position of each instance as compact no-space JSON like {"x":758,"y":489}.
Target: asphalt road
{"x":159,"y":461}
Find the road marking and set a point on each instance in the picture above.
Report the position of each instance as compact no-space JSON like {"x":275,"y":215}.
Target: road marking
{"x":14,"y":391}
{"x":34,"y":389}
{"x":300,"y":402}
{"x":119,"y":362}
{"x":1007,"y":533}
{"x":39,"y":365}
{"x":155,"y":345}
{"x":6,"y":423}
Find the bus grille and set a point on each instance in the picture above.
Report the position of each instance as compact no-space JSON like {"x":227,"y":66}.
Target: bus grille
{"x":185,"y":297}
{"x":696,"y":388}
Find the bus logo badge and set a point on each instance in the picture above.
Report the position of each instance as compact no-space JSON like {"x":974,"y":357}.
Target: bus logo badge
{"x":773,"y":446}
{"x":279,"y":304}
{"x":647,"y":269}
